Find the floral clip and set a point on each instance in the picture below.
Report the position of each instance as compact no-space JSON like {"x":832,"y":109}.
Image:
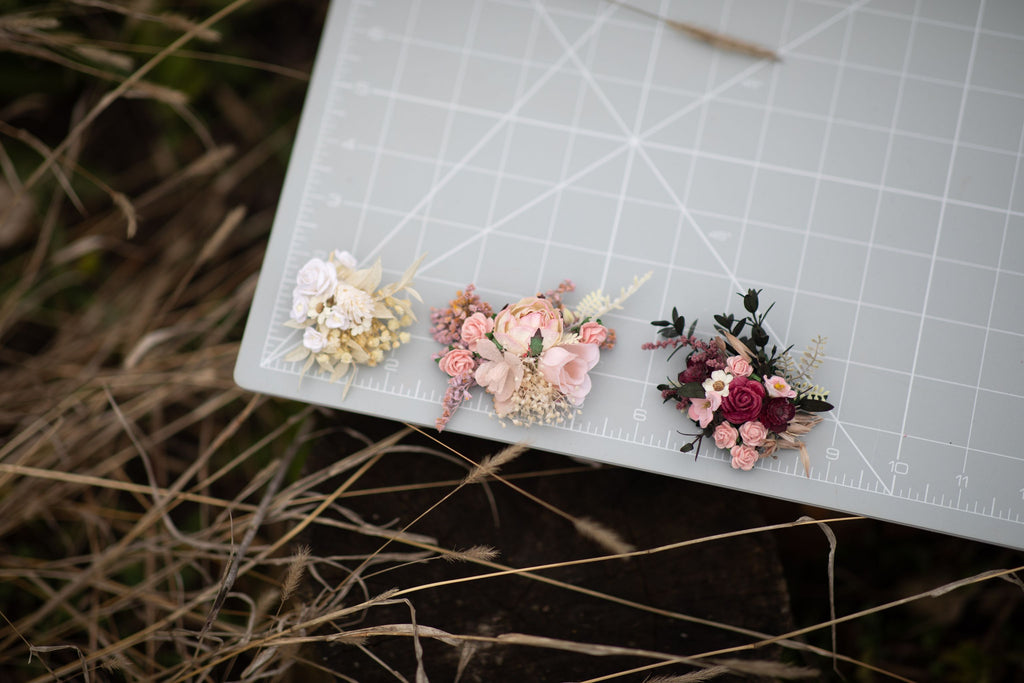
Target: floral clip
{"x":532,"y":356}
{"x":348,"y":319}
{"x":750,"y":400}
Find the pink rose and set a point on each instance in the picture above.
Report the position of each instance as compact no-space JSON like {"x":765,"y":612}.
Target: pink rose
{"x":593,"y":333}
{"x":475,"y":327}
{"x":743,"y":457}
{"x":725,"y":435}
{"x":567,"y":366}
{"x":499,"y":374}
{"x":457,"y":362}
{"x":753,"y":433}
{"x":516,"y":325}
{"x":738,"y":366}
{"x":702,"y":410}
{"x":778,"y":387}
{"x":744,"y":400}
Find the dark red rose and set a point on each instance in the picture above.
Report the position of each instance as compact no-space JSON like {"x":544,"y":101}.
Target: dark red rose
{"x":744,"y":401}
{"x":776,"y":414}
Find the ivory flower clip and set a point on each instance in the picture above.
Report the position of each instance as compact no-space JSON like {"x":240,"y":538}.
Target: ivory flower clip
{"x":533,"y":357}
{"x":750,"y":400}
{"x":347,"y":318}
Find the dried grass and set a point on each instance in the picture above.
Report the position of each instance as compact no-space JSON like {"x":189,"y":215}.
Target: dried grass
{"x":153,"y":520}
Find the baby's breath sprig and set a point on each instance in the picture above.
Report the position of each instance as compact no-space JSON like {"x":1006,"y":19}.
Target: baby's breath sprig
{"x":597,"y":303}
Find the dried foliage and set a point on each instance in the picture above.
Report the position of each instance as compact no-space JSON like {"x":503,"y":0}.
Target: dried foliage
{"x":154,"y":518}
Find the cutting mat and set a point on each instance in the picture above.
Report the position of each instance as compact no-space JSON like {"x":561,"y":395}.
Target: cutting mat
{"x":869,"y":182}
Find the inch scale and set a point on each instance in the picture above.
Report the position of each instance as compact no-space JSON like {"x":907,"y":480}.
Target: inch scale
{"x":520,"y":142}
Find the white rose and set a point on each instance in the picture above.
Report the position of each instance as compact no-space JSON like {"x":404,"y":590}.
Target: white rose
{"x":345,"y":258}
{"x":336,"y":320}
{"x":300,"y":307}
{"x":316,"y":279}
{"x":314,"y":340}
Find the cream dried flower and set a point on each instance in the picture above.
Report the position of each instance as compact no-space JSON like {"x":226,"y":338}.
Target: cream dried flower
{"x":348,"y":318}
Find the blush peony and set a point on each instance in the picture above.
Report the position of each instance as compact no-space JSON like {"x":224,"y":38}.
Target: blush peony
{"x":516,"y":325}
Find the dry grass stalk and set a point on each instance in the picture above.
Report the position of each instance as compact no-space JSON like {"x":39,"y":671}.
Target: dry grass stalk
{"x":130,"y":463}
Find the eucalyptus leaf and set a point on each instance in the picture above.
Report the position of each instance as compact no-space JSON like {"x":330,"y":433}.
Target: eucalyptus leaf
{"x":813,"y":405}
{"x":691,"y":390}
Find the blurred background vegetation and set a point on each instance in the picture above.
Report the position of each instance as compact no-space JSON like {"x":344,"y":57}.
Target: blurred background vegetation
{"x":153,"y":516}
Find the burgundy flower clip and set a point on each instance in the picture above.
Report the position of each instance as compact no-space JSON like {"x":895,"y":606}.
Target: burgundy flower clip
{"x":751,"y":400}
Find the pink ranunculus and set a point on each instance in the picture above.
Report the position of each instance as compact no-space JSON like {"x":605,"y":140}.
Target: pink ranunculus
{"x":753,"y":433}
{"x":567,"y":366}
{"x":778,"y":387}
{"x":725,"y":435}
{"x":702,"y":410}
{"x":500,"y":374}
{"x":474,"y":328}
{"x":457,"y":362}
{"x":743,"y":457}
{"x":738,"y":366}
{"x":593,"y":333}
{"x":744,"y":400}
{"x":516,"y":325}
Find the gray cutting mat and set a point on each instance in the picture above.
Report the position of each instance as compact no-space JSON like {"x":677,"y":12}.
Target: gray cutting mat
{"x":870,"y":183}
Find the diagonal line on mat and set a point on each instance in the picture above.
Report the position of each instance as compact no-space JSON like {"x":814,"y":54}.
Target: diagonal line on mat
{"x":487,"y":137}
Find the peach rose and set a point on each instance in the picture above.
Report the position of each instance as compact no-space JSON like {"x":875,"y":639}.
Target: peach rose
{"x":753,"y":433}
{"x":516,"y":325}
{"x":725,"y":435}
{"x":743,"y":457}
{"x":738,"y":366}
{"x":567,"y":366}
{"x":457,"y":362}
{"x":475,"y":327}
{"x":593,"y":333}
